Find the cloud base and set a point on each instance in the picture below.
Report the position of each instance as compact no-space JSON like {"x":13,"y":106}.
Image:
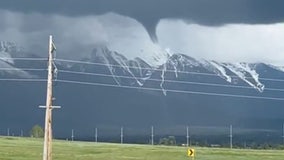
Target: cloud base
{"x":75,"y":37}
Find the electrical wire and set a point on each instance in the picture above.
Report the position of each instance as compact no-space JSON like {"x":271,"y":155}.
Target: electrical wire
{"x":133,"y":67}
{"x":143,"y":88}
{"x":25,"y":69}
{"x":133,"y":87}
{"x":149,"y":68}
{"x":170,"y":90}
{"x":156,"y":69}
{"x":170,"y":81}
{"x":23,"y":79}
{"x":25,"y":59}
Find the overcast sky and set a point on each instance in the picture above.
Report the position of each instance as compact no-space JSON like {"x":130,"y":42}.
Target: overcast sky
{"x":224,"y":30}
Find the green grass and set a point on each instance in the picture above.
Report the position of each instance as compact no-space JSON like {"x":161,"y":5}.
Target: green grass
{"x":13,"y":148}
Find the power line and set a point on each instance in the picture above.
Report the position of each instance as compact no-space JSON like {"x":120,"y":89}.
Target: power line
{"x":156,"y":69}
{"x":128,"y":77}
{"x":149,"y":68}
{"x":26,"y":59}
{"x":25,"y":69}
{"x":171,"y":90}
{"x":146,"y":68}
{"x":24,"y":79}
{"x":171,"y":81}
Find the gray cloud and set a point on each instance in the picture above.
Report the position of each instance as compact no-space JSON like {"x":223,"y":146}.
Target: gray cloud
{"x":227,"y":43}
{"x":149,"y":12}
{"x":75,"y":37}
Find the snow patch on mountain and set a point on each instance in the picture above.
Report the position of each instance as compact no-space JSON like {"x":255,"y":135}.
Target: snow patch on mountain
{"x":220,"y":71}
{"x":123,"y":62}
{"x":158,"y":58}
{"x":174,"y":64}
{"x":122,"y":68}
{"x":6,"y":57}
{"x":100,"y":54}
{"x":140,"y":67}
{"x":164,"y":69}
{"x":5,"y":47}
{"x":179,"y":62}
{"x":8,"y":50}
{"x":247,"y":74}
{"x":11,"y":70}
{"x":11,"y":48}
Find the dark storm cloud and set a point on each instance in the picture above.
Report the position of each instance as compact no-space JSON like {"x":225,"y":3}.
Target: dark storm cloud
{"x":149,"y":12}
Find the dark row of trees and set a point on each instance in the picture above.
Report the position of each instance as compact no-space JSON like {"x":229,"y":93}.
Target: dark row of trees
{"x":169,"y":141}
{"x":38,"y":132}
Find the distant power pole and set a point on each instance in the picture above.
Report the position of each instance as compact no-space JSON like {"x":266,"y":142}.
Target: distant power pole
{"x":22,"y":133}
{"x":121,"y":135}
{"x":72,"y":135}
{"x":187,"y":136}
{"x":283,"y":133}
{"x":96,"y":135}
{"x":152,"y":135}
{"x":231,"y":136}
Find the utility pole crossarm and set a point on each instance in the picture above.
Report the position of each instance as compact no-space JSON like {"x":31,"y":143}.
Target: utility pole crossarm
{"x":52,"y":107}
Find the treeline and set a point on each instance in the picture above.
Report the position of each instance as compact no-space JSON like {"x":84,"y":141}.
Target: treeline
{"x":245,"y":141}
{"x":239,"y":141}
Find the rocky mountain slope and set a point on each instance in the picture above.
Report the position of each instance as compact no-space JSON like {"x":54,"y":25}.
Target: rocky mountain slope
{"x":133,"y":93}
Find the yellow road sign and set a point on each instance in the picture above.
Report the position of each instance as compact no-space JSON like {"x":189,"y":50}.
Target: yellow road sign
{"x":190,"y":152}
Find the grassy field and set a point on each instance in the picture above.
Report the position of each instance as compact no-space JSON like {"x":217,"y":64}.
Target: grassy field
{"x":13,"y":148}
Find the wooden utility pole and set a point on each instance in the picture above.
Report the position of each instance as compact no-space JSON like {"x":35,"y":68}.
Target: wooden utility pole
{"x":47,"y":146}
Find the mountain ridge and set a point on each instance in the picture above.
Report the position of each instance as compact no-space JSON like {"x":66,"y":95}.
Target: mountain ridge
{"x":139,"y":70}
{"x":178,"y":62}
{"x":140,"y":107}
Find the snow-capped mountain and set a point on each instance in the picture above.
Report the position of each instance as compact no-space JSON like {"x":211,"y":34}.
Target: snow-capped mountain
{"x":153,"y":94}
{"x":8,"y":51}
{"x":137,"y":72}
{"x":179,"y":63}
